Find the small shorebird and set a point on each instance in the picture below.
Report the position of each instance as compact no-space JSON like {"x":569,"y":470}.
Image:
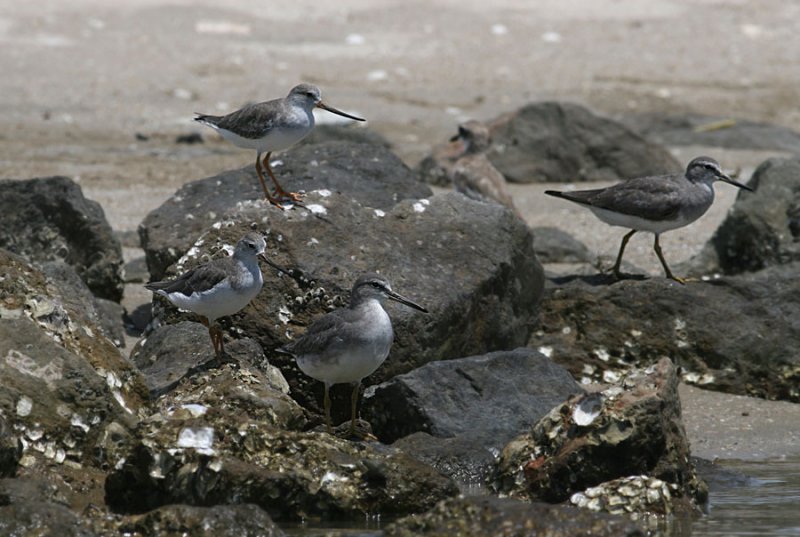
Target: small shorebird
{"x":218,"y":288}
{"x":272,"y":126}
{"x":349,"y":343}
{"x":655,"y":204}
{"x":472,"y":173}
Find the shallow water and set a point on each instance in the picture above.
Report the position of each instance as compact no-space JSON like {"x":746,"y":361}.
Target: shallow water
{"x":766,"y":504}
{"x":757,"y":498}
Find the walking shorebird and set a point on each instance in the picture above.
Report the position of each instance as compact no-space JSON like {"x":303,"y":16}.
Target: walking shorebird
{"x":347,"y":344}
{"x":655,"y":204}
{"x":218,"y":288}
{"x":272,"y":126}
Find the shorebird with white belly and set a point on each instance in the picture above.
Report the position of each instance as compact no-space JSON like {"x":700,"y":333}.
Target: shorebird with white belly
{"x":218,"y":288}
{"x":272,"y":126}
{"x":655,"y":204}
{"x":348,"y":344}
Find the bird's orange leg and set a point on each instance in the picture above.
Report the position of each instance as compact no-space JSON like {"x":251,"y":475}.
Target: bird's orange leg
{"x":279,"y":191}
{"x":269,"y":197}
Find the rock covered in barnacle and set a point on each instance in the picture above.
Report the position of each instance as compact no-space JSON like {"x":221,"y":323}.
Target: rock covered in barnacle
{"x":225,"y":458}
{"x":633,"y":494}
{"x":633,"y":428}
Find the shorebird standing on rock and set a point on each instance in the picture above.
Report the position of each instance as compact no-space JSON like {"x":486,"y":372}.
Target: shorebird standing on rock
{"x":349,"y":343}
{"x":655,"y":204}
{"x":472,"y":173}
{"x":272,"y":126}
{"x":218,"y":288}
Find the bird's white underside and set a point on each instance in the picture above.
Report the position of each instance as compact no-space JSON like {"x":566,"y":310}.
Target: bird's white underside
{"x":361,"y":357}
{"x":640,"y":224}
{"x":219,"y":301}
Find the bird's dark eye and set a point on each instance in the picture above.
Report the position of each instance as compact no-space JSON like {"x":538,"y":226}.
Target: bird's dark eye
{"x":376,"y":285}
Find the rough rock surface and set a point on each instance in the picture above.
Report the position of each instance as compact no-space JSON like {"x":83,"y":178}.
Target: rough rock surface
{"x":171,"y":353}
{"x":422,"y":247}
{"x":630,"y":429}
{"x":551,"y":141}
{"x":66,"y":388}
{"x":106,"y":314}
{"x":218,"y":521}
{"x":10,"y":450}
{"x":368,"y":173}
{"x":559,"y":142}
{"x":481,"y":516}
{"x":489,"y":398}
{"x":244,"y":386}
{"x":48,"y":219}
{"x":34,"y":507}
{"x":469,"y":463}
{"x":220,"y":458}
{"x":762,"y":228}
{"x":554,"y":245}
{"x":727,"y":334}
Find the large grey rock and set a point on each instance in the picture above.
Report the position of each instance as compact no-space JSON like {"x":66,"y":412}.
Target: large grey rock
{"x":48,"y":219}
{"x":630,"y":429}
{"x":489,"y":398}
{"x":487,"y":515}
{"x":471,"y":264}
{"x":64,"y":385}
{"x":762,"y":228}
{"x":730,"y":334}
{"x":712,"y":131}
{"x":368,"y":173}
{"x":221,"y":457}
{"x":564,"y":142}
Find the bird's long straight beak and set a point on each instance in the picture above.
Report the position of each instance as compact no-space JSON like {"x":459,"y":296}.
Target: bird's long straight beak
{"x":273,"y":264}
{"x":403,"y":300}
{"x":730,"y":181}
{"x":337,"y":112}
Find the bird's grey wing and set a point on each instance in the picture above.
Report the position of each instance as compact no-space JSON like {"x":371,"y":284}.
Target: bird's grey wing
{"x":252,"y":121}
{"x":194,"y":280}
{"x":324,"y":334}
{"x":656,"y":198}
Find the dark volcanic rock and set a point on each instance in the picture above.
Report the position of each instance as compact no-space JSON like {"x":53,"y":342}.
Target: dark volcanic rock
{"x":565,"y":142}
{"x":10,"y":450}
{"x":48,"y":219}
{"x":422,"y":247}
{"x":762,"y":229}
{"x":106,"y":314}
{"x":490,"y":398}
{"x":628,"y":430}
{"x":64,"y":385}
{"x":221,"y":457}
{"x":368,"y":173}
{"x":171,"y":353}
{"x":219,"y":521}
{"x":459,"y":457}
{"x":556,"y":246}
{"x":714,"y":132}
{"x":246,"y":385}
{"x":33,"y":507}
{"x":728,"y":334}
{"x":482,"y":516}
